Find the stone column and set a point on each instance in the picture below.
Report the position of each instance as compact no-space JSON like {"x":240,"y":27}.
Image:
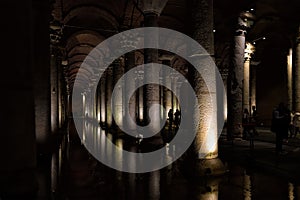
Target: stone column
{"x":235,"y":85}
{"x":98,"y":103}
{"x":117,"y":102}
{"x":103,"y":100}
{"x":206,"y":141}
{"x":174,"y":88}
{"x":167,"y":94}
{"x":297,"y":76}
{"x":290,"y":79}
{"x":253,"y":85}
{"x":130,"y":85}
{"x":54,"y":88}
{"x":246,"y":82}
{"x":151,"y":90}
{"x":108,"y":89}
{"x":140,"y":97}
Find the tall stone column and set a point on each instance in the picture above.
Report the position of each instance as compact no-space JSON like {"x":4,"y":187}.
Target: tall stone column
{"x":253,"y":85}
{"x":98,"y":104}
{"x":103,"y":100}
{"x":108,"y":89}
{"x":130,"y":85}
{"x":151,"y":90}
{"x":167,"y":94}
{"x":117,"y":108}
{"x":175,"y":86}
{"x":289,"y":71}
{"x":246,"y":82}
{"x":297,"y":76}
{"x":140,"y":99}
{"x":206,"y":141}
{"x":54,"y":88}
{"x":235,"y":85}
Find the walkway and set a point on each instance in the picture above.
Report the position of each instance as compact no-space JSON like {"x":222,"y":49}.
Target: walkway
{"x":263,"y":155}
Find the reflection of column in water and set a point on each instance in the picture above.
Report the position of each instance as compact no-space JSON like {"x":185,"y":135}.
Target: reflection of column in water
{"x":168,"y":155}
{"x":98,"y":138}
{"x":207,"y":190}
{"x":291,"y":191}
{"x":89,"y":138}
{"x":95,"y":138}
{"x":247,"y":187}
{"x":118,"y":155}
{"x":54,"y":172}
{"x":84,"y":132}
{"x":154,"y":189}
{"x":109,"y":152}
{"x":102,"y":144}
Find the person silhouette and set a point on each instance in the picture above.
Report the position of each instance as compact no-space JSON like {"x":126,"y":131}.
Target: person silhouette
{"x":177,"y":115}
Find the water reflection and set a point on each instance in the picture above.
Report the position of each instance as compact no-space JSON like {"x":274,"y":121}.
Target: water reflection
{"x":169,"y":182}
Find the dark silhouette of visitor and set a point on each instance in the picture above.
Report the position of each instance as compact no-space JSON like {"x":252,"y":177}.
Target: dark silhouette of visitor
{"x":245,"y":122}
{"x":177,"y":115}
{"x":280,"y":125}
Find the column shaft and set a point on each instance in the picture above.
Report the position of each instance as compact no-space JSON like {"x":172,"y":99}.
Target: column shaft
{"x":246,"y":85}
{"x":117,"y":108}
{"x":151,"y":90}
{"x":297,"y":76}
{"x":253,"y":85}
{"x":235,"y":86}
{"x":206,"y":137}
{"x":290,"y":80}
{"x":130,"y":85}
{"x":109,"y":84}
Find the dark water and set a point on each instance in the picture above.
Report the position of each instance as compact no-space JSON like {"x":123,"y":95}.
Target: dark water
{"x":86,"y":178}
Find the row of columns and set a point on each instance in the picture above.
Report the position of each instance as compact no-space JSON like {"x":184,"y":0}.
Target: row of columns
{"x":206,"y":134}
{"x":106,"y":110}
{"x":242,"y":80}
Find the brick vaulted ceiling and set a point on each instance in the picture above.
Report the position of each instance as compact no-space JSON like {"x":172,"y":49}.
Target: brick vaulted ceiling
{"x":85,"y":23}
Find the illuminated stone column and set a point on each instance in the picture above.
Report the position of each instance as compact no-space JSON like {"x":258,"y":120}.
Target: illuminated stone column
{"x":206,"y":140}
{"x":167,"y":94}
{"x":174,"y":88}
{"x":140,"y":91}
{"x":103,"y":100}
{"x":246,"y":82}
{"x":152,"y":10}
{"x":203,"y":33}
{"x":253,"y":85}
{"x":98,"y":104}
{"x":235,"y":86}
{"x":108,"y":89}
{"x":297,"y":76}
{"x":130,"y":85}
{"x":54,"y":62}
{"x":117,"y":108}
{"x":140,"y":97}
{"x":290,"y":79}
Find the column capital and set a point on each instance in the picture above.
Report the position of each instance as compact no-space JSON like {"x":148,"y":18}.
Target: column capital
{"x":243,"y":23}
{"x":153,"y":6}
{"x":249,"y":50}
{"x":56,"y":32}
